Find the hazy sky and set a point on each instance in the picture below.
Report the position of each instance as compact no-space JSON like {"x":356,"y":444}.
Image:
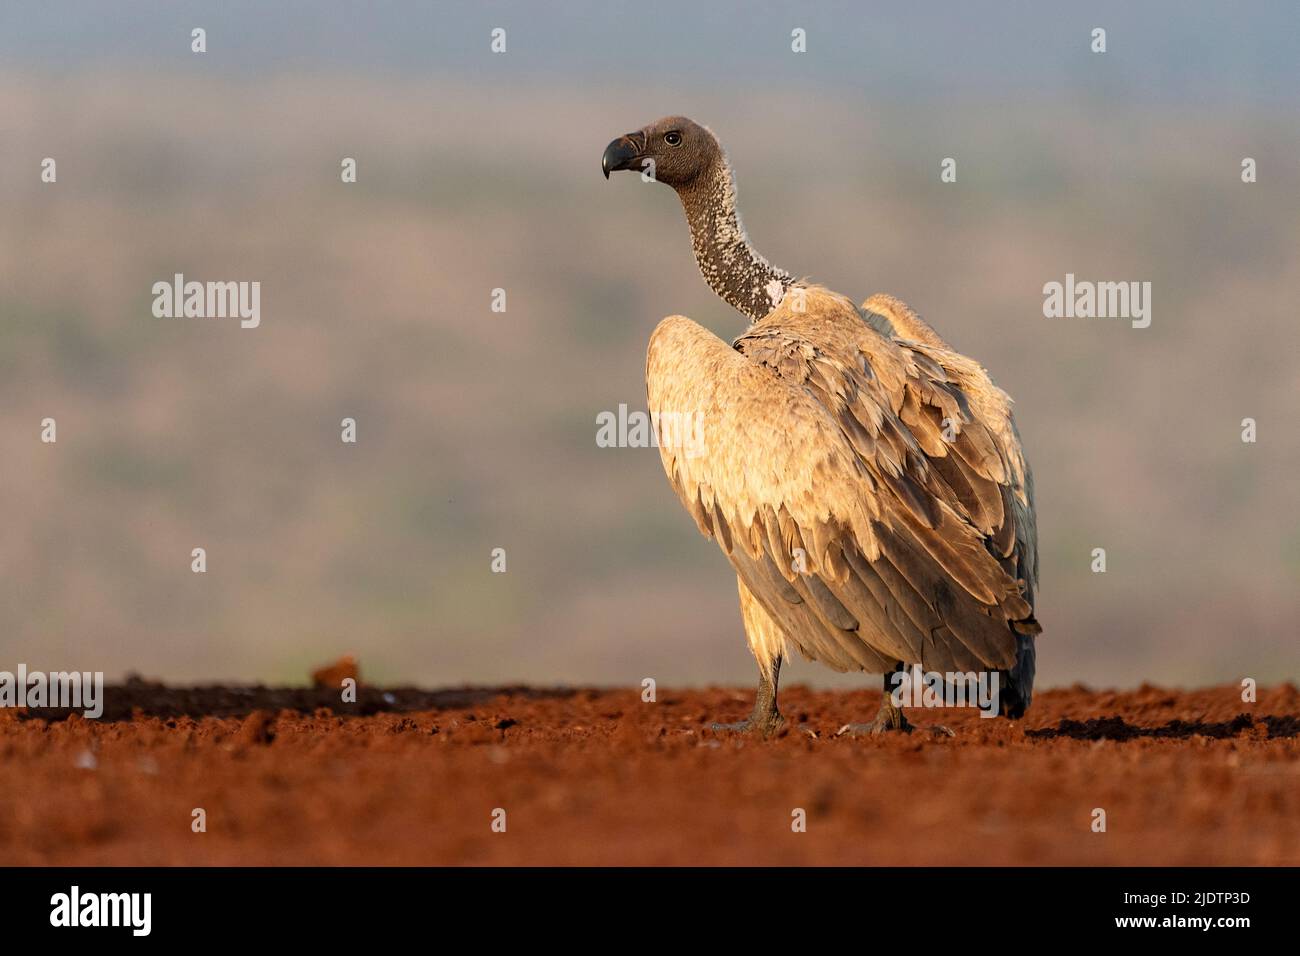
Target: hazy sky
{"x":481,"y":170}
{"x":1189,"y":51}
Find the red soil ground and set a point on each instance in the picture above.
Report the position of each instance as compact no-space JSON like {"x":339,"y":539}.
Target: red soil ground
{"x":598,"y":777}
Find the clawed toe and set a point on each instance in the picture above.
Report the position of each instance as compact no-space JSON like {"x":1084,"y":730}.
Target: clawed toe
{"x":758,"y":728}
{"x":739,"y":727}
{"x":887,"y":725}
{"x":875,"y":728}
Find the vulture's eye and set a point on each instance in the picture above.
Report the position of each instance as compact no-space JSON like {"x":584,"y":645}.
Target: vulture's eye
{"x":673,"y":139}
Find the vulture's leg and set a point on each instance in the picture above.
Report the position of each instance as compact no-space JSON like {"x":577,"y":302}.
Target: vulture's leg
{"x":766,"y":719}
{"x":889,"y":719}
{"x":767,"y":643}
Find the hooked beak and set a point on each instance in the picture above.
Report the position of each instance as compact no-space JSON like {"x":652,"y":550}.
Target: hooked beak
{"x":621,"y":154}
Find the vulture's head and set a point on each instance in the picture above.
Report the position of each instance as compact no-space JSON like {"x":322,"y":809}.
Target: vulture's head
{"x":672,"y":150}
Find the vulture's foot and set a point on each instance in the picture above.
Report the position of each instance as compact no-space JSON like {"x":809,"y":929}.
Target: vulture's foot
{"x":890,"y":720}
{"x":766,"y":720}
{"x":879,"y":726}
{"x":883,"y":724}
{"x":764,"y":725}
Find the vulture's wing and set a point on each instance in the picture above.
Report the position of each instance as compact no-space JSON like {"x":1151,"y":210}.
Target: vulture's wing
{"x":991,"y":407}
{"x":812,"y":467}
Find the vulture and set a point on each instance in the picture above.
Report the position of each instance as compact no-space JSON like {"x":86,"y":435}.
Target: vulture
{"x":865,"y":479}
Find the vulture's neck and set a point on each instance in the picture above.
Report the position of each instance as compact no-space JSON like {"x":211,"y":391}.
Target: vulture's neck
{"x":730,"y":265}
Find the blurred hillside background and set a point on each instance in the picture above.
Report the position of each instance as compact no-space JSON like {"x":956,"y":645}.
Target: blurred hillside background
{"x":476,"y":430}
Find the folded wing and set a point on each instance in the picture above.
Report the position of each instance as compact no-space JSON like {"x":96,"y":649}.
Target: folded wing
{"x":865,"y":488}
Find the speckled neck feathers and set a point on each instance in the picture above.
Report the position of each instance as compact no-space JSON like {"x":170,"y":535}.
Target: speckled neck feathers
{"x":730,"y":265}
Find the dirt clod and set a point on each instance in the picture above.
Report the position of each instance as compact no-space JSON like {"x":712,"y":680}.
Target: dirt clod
{"x":333,"y":675}
{"x":257,"y":728}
